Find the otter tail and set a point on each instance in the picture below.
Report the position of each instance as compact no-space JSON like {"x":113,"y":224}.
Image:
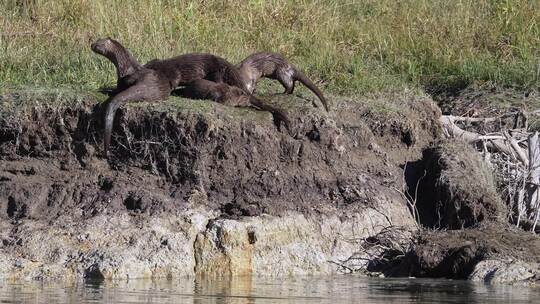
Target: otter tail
{"x":110,"y":111}
{"x":278,"y":113}
{"x":305,"y":81}
{"x":133,"y":93}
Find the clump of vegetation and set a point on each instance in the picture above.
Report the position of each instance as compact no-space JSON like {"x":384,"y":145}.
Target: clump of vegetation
{"x":353,"y":46}
{"x":454,"y":188}
{"x":465,"y":186}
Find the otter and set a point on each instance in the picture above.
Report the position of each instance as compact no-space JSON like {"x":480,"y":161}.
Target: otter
{"x":158,"y":78}
{"x":179,"y":70}
{"x":275,"y":66}
{"x":218,"y":92}
{"x":232,"y":96}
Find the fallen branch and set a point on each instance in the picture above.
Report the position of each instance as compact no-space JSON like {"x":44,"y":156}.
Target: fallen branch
{"x":534,"y":177}
{"x":478,"y":119}
{"x":521,"y":153}
{"x":494,"y":142}
{"x":516,"y":156}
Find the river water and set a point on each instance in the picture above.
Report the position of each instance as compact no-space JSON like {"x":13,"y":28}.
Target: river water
{"x":339,"y":289}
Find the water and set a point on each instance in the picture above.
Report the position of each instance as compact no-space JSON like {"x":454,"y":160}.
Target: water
{"x":335,"y":290}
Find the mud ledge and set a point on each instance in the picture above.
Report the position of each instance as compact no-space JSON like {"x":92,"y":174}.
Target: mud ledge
{"x":194,"y":187}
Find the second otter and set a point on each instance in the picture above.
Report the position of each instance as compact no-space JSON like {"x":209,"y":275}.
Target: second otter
{"x":275,"y":66}
{"x":125,"y":64}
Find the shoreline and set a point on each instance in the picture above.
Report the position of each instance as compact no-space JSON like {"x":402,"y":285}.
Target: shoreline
{"x":268,"y":202}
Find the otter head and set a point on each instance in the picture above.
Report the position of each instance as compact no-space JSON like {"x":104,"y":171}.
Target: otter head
{"x":105,"y":47}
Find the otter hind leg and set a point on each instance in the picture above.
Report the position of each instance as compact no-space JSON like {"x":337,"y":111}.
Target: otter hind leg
{"x":287,"y":82}
{"x":290,"y":90}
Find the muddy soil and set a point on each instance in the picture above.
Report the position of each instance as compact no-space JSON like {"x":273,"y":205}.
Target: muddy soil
{"x":455,"y":187}
{"x":176,"y":155}
{"x":237,"y":164}
{"x":456,"y":253}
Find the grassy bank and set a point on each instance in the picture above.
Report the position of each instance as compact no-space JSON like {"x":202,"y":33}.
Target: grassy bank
{"x":348,"y":46}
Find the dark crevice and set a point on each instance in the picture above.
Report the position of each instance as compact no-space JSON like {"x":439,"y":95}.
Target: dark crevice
{"x":133,"y":203}
{"x":420,"y":177}
{"x":11,"y":208}
{"x":93,"y":273}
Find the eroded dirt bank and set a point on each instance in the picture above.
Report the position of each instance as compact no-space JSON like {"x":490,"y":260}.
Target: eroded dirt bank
{"x":195,"y":187}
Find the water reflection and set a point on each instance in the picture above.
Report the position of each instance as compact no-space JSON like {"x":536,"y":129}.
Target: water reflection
{"x":340,"y":289}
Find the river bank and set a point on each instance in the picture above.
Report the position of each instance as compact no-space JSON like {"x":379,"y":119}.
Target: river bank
{"x":197,"y":188}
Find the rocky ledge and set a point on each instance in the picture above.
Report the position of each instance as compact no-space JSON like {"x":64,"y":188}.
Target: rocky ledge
{"x":198,"y":188}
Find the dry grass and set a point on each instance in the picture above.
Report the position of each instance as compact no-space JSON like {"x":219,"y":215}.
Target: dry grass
{"x":348,"y":46}
{"x":466,"y":186}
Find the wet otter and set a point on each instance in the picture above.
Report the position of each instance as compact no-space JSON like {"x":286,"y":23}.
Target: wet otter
{"x":218,"y":92}
{"x":155,"y":80}
{"x":274,"y":66}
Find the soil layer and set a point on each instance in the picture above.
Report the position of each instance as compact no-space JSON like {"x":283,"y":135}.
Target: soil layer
{"x":195,"y":187}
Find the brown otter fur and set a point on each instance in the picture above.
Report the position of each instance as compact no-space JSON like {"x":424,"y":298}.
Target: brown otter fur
{"x":229,"y":95}
{"x":184,"y":69}
{"x":218,"y":92}
{"x":148,"y":85}
{"x":275,"y":66}
{"x":155,"y":80}
{"x":126,"y":65}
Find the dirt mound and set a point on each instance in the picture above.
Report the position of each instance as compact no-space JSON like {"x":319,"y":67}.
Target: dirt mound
{"x":180,"y":154}
{"x":455,"y":188}
{"x":455,"y":193}
{"x":454,"y":254}
{"x":490,"y":251}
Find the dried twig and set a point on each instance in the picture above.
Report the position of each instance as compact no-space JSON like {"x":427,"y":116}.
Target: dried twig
{"x":515,"y":155}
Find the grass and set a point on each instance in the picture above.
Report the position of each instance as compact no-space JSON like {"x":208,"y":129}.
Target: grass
{"x":347,"y":46}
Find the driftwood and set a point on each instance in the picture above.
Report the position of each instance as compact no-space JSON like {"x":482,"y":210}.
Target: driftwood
{"x":515,"y":156}
{"x":534,"y":172}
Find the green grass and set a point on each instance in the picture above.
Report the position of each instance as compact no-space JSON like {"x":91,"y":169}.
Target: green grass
{"x":347,"y":46}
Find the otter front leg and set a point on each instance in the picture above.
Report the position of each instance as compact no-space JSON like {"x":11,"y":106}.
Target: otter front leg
{"x":290,"y":89}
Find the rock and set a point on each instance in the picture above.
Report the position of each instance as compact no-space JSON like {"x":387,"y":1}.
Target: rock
{"x":290,"y":245}
{"x":126,"y":247}
{"x":496,"y":271}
